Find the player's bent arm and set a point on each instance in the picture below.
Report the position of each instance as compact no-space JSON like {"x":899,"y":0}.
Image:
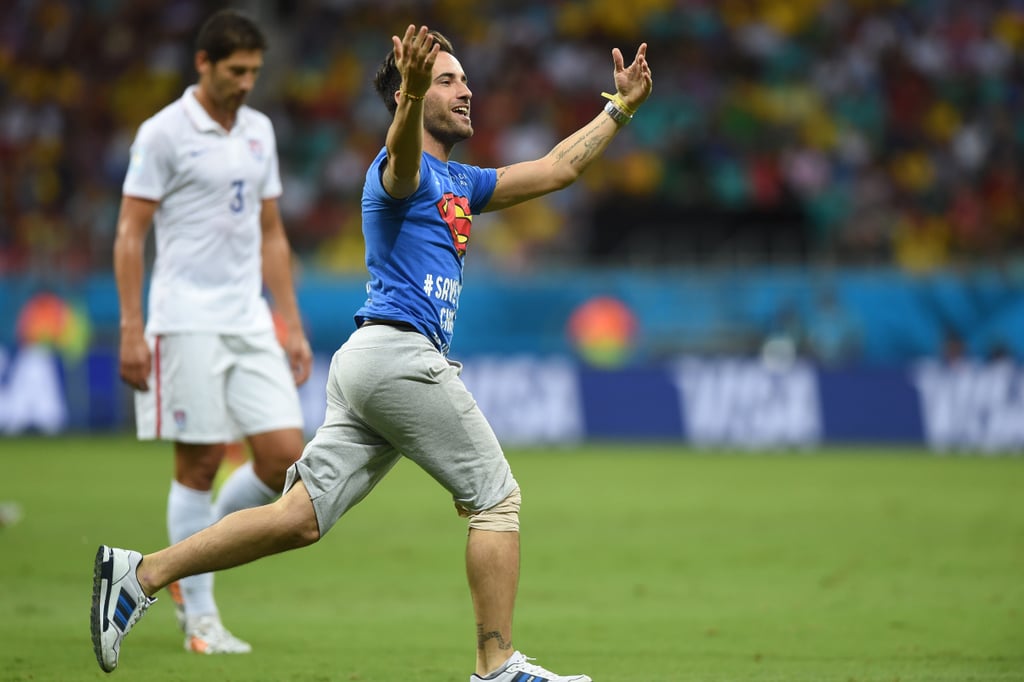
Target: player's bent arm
{"x":277,"y":275}
{"x":558,"y":169}
{"x":133,"y":224}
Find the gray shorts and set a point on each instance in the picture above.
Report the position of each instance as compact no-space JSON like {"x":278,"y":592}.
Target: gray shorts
{"x":390,"y":393}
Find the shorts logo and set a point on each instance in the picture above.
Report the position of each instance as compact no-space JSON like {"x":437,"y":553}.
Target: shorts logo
{"x":179,"y":419}
{"x":455,"y":211}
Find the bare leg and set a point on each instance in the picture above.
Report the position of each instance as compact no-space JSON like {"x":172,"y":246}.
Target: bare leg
{"x":492,"y":566}
{"x":237,"y":539}
{"x":260,"y":480}
{"x":196,"y":464}
{"x":273,"y":452}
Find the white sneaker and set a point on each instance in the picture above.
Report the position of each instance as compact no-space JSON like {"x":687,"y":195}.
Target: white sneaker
{"x":519,"y":669}
{"x":206,"y":635}
{"x":118,"y":602}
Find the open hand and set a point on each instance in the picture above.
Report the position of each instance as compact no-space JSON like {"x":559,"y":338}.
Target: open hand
{"x":633,"y":82}
{"x":415,"y":54}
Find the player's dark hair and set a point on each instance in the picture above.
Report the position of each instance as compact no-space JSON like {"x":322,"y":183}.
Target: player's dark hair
{"x":388,"y":80}
{"x":227,"y":31}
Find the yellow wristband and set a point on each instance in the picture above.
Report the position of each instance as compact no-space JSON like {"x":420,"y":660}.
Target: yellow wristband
{"x":619,"y":102}
{"x":414,"y":98}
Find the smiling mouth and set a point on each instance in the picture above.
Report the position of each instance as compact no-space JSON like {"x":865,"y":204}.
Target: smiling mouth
{"x":461,"y":111}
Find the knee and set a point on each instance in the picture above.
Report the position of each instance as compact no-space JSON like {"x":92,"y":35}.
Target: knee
{"x":273,"y":453}
{"x":298,"y":522}
{"x":306,"y":533}
{"x":196,"y":465}
{"x":273,"y":471}
{"x":503,"y":516}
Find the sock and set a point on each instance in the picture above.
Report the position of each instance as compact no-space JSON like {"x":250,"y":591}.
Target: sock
{"x":242,"y":489}
{"x":188,"y":512}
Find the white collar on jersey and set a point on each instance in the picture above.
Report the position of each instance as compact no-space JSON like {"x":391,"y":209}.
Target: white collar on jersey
{"x":203,"y":122}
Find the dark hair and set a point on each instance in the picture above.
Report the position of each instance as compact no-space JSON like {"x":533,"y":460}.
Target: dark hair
{"x":227,"y":31}
{"x":388,"y":80}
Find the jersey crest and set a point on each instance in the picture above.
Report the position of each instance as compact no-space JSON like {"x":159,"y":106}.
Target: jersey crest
{"x":256,"y":148}
{"x":455,"y":212}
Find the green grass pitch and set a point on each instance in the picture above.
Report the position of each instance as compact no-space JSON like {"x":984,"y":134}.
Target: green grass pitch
{"x":640,"y":564}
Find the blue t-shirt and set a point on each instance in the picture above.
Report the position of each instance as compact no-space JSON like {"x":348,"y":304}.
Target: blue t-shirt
{"x":415,"y":246}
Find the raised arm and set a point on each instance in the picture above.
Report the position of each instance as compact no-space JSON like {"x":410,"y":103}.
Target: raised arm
{"x":561,"y":166}
{"x":415,"y":54}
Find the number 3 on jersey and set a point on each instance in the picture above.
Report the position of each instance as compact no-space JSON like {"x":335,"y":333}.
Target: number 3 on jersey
{"x":237,"y":198}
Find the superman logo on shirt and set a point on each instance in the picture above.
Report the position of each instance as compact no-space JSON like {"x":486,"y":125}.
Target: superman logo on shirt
{"x":455,"y":211}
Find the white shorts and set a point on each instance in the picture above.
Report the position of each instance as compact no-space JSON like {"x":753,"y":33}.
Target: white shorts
{"x":216,"y":388}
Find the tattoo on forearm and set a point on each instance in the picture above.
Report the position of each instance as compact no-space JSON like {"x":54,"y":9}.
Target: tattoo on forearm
{"x":583,"y":150}
{"x":482,"y":637}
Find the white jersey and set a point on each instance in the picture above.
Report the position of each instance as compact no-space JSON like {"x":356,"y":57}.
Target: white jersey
{"x":209,"y":183}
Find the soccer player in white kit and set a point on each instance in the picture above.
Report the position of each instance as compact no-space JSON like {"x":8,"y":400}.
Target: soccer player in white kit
{"x":206,"y":365}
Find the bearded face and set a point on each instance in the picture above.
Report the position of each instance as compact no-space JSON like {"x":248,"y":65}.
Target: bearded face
{"x":228,"y":82}
{"x":446,"y":110}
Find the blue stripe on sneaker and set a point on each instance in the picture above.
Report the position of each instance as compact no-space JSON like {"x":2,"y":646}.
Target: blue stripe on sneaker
{"x":527,"y":677}
{"x":124,"y":608}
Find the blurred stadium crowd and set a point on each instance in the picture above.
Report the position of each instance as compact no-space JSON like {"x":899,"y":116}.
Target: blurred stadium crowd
{"x":857,"y":131}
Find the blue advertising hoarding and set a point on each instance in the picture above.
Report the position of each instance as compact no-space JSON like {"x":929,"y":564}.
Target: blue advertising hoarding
{"x":727,"y":402}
